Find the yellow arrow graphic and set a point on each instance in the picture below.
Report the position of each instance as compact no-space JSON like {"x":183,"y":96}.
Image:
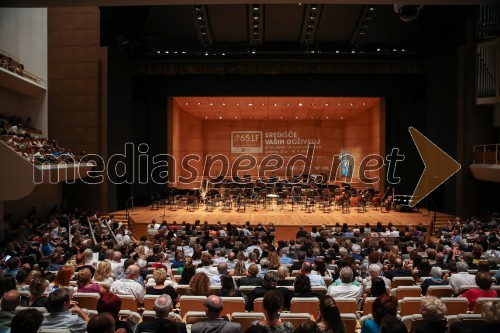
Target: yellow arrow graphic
{"x":439,"y":166}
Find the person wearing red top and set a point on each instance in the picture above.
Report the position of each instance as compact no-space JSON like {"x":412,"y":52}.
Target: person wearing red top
{"x":484,"y":282}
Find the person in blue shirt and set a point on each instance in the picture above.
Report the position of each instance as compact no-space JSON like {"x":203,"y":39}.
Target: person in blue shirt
{"x":284,"y":258}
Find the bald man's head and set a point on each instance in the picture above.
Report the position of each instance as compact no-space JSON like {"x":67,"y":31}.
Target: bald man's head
{"x":10,"y":300}
{"x":117,"y":256}
{"x":132,"y":272}
{"x":213,"y":306}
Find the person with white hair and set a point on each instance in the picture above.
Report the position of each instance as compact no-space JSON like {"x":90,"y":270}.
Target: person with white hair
{"x":433,"y":312}
{"x":163,"y":307}
{"x":373,"y":272}
{"x":461,"y":278}
{"x":435,"y":280}
{"x":129,"y":284}
{"x":345,"y":288}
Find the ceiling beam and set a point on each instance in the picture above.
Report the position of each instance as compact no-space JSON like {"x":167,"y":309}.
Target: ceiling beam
{"x":364,"y":25}
{"x":312,"y":16}
{"x":95,"y":3}
{"x":255,"y":24}
{"x":202,"y":24}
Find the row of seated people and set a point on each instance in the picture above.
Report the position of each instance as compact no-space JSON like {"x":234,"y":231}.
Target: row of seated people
{"x":29,"y":143}
{"x":402,"y":257}
{"x":15,"y":66}
{"x":214,"y":313}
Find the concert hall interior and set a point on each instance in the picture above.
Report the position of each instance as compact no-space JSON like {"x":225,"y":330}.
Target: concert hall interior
{"x":168,"y":99}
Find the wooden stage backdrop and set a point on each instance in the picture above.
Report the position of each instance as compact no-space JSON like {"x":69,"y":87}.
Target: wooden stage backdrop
{"x":285,"y":221}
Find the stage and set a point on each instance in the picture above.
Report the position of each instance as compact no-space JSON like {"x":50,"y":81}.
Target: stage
{"x":285,"y":221}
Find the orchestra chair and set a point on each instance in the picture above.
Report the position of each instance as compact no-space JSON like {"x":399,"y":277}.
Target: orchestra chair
{"x":233,"y":304}
{"x":481,"y":300}
{"x":40,"y":309}
{"x":192,"y":303}
{"x":321,"y":290}
{"x":367,"y":305}
{"x":193,"y":317}
{"x":247,"y":289}
{"x":347,"y":305}
{"x":182,"y":289}
{"x":129,"y":303}
{"x":440,"y":291}
{"x":305,"y":304}
{"x":245,"y":319}
{"x":148,"y":316}
{"x":468,"y":320}
{"x":350,"y":322}
{"x":402,"y":281}
{"x":258,"y":304}
{"x":407,"y":291}
{"x":296,"y":319}
{"x":409,"y":306}
{"x":455,"y":305}
{"x":86,"y":300}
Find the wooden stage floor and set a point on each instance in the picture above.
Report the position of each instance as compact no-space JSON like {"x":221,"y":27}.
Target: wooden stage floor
{"x":285,"y":221}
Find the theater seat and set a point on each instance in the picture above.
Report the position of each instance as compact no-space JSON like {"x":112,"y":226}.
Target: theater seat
{"x":481,"y":300}
{"x":193,"y":317}
{"x":402,"y":281}
{"x":409,"y":306}
{"x":367,"y":306}
{"x":192,"y":303}
{"x":347,"y":305}
{"x":440,"y":291}
{"x":87,"y":300}
{"x":455,"y":305}
{"x":305,"y":304}
{"x":296,"y":319}
{"x":247,"y":318}
{"x":407,"y":291}
{"x":233,"y":304}
{"x":349,"y":321}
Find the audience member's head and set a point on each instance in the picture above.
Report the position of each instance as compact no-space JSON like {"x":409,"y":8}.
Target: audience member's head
{"x":384,"y":305}
{"x":272,"y":302}
{"x":391,"y":324}
{"x":101,"y":323}
{"x":200,"y":284}
{"x":302,"y":284}
{"x":378,"y":287}
{"x":213,"y":306}
{"x":432,"y":308}
{"x":37,"y":286}
{"x":26,"y":321}
{"x":83,"y":278}
{"x":270,"y":280}
{"x":10,"y":300}
{"x":484,"y":280}
{"x":346,"y":275}
{"x":490,"y":311}
{"x":330,"y":314}
{"x":159,"y":275}
{"x":58,"y":300}
{"x":436,"y":272}
{"x":109,"y":302}
{"x":163,"y":306}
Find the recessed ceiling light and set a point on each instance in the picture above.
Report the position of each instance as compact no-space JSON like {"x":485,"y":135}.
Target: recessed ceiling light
{"x":211,"y":104}
{"x":339,"y":104}
{"x":312,"y":117}
{"x":326,"y":117}
{"x":187,"y":103}
{"x":296,"y":117}
{"x":223,"y":103}
{"x":313,"y":104}
{"x":352,"y":104}
{"x":262,"y":104}
{"x":166,"y":52}
{"x":238,"y":104}
{"x":281,"y":117}
{"x":198,"y":103}
{"x":250,"y":104}
{"x":206,"y":117}
{"x":300,"y":104}
{"x":220,"y":117}
{"x":341,"y":117}
{"x":287,"y":104}
{"x":327,"y":104}
{"x":378,"y":50}
{"x":364,"y":103}
{"x":251,"y":117}
{"x":235,"y":117}
{"x":158,"y":51}
{"x":275,"y":104}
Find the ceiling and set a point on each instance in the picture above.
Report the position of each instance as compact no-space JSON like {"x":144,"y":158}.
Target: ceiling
{"x":274,"y":108}
{"x":223,"y":30}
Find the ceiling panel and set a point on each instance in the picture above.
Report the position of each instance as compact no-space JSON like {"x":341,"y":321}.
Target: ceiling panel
{"x":228,"y":23}
{"x":337,"y":23}
{"x":283,"y":23}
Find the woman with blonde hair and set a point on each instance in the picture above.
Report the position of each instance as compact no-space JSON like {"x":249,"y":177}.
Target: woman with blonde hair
{"x":160,"y":275}
{"x":239,"y":269}
{"x":85,"y":283}
{"x":103,"y":273}
{"x":274,"y":261}
{"x":199,"y":285}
